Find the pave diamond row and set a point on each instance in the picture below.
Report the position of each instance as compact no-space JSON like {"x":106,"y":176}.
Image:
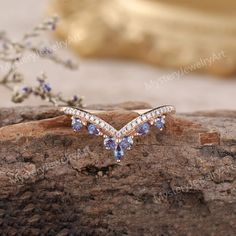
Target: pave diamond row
{"x":149,"y":116}
{"x":87,"y":117}
{"x":128,"y":129}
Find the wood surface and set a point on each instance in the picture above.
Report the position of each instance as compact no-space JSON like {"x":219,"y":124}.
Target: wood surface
{"x":57,"y":182}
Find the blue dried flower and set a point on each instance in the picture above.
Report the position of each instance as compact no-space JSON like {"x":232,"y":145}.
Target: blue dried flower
{"x":75,"y":98}
{"x":41,"y":81}
{"x":26,"y":89}
{"x":46,"y":87}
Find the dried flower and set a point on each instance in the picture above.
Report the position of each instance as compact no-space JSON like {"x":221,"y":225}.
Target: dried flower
{"x":44,"y":90}
{"x":26,"y":89}
{"x":12,"y":53}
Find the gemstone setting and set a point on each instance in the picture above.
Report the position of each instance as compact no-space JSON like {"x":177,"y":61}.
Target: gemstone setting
{"x":126,"y":142}
{"x":121,"y":140}
{"x":143,"y":129}
{"x":76,"y":124}
{"x":110,"y":143}
{"x":92,"y":129}
{"x":118,"y":152}
{"x":160,"y":123}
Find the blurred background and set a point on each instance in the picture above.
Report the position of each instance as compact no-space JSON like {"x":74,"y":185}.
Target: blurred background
{"x":161,"y":52}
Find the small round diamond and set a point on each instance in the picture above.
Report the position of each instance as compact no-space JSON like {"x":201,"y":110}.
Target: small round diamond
{"x":126,"y":142}
{"x":160,"y":123}
{"x":92,"y":129}
{"x":143,"y":129}
{"x":109,"y":143}
{"x":76,"y":124}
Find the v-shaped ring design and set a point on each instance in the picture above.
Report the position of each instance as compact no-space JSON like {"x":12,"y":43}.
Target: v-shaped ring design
{"x":119,"y":140}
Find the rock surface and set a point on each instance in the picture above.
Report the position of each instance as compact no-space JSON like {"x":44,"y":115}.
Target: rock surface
{"x":57,"y":182}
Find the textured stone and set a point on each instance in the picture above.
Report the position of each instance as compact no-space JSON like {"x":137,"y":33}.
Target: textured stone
{"x":177,"y":182}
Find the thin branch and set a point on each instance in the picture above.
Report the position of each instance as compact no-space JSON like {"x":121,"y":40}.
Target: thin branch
{"x":12,"y":54}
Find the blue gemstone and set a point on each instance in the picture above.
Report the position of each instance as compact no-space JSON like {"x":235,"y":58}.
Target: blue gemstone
{"x":92,"y":129}
{"x":143,"y":129}
{"x":160,"y":123}
{"x":109,"y":143}
{"x":76,"y":124}
{"x":118,"y":152}
{"x":126,"y":142}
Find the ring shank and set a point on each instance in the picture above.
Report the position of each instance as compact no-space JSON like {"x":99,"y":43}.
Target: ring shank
{"x":138,"y":111}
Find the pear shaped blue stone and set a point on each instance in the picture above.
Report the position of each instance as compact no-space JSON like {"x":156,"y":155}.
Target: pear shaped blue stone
{"x":76,"y":124}
{"x":92,"y":129}
{"x":143,"y":129}
{"x":110,"y":143}
{"x":160,"y":123}
{"x":126,"y":142}
{"x":118,"y":152}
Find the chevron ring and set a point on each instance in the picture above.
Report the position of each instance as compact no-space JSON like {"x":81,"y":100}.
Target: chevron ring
{"x":119,"y":140}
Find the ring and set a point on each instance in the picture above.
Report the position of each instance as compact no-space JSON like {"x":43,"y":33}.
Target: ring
{"x":119,"y":140}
